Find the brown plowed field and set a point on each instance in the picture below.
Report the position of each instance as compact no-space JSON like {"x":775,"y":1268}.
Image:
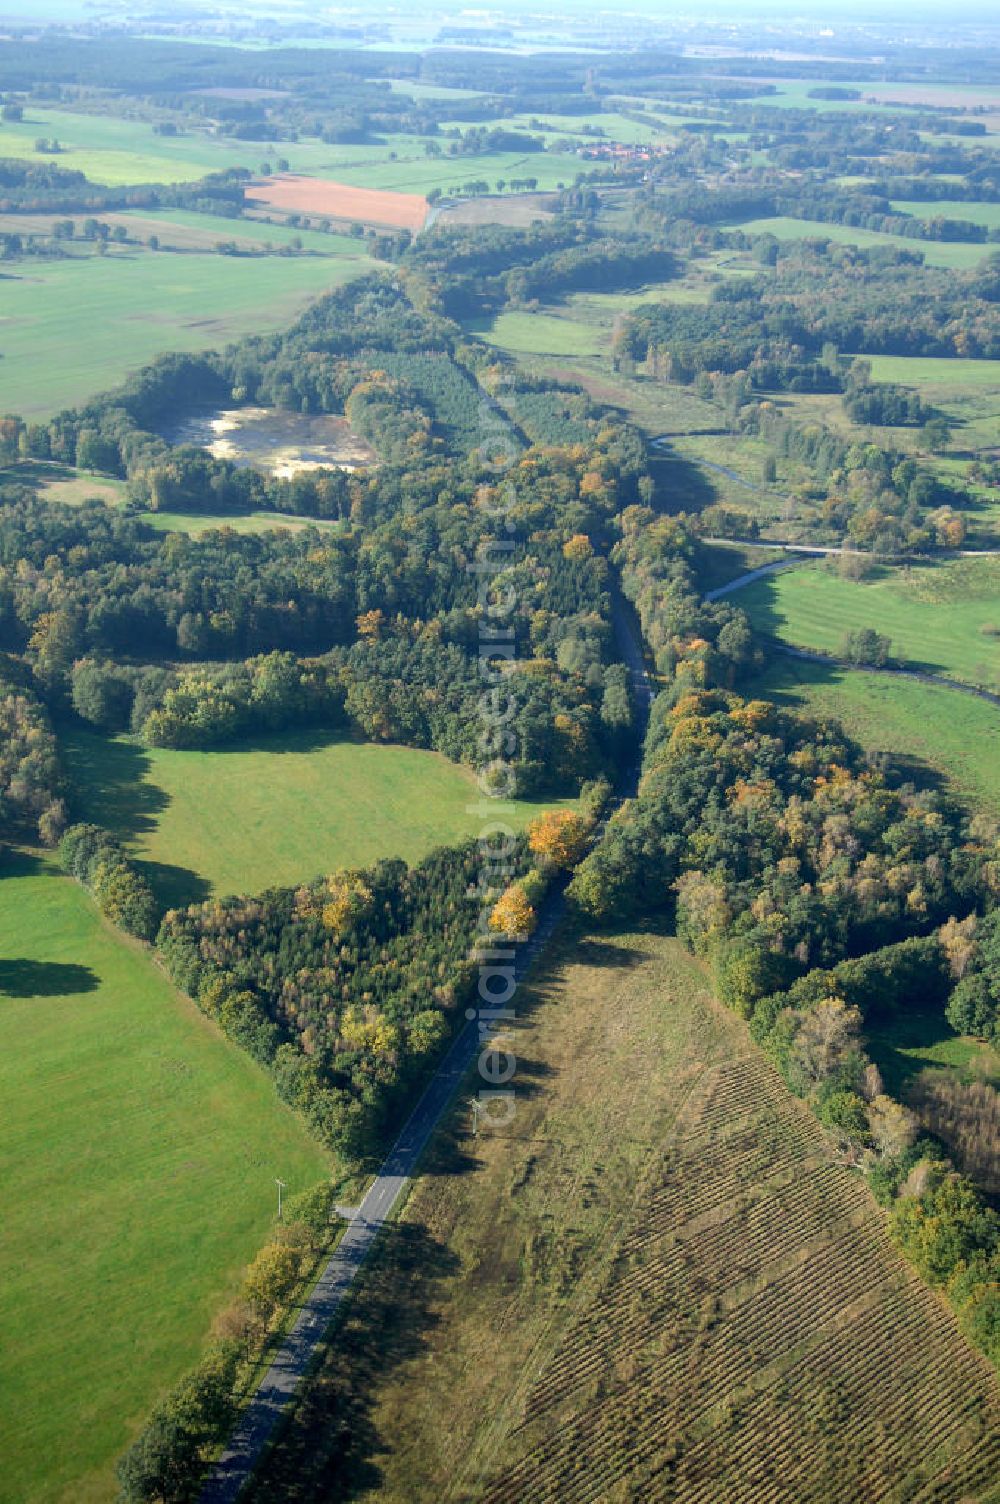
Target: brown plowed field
{"x":290,"y":193}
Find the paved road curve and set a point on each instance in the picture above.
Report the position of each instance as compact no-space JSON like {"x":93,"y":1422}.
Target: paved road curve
{"x":257,"y":1425}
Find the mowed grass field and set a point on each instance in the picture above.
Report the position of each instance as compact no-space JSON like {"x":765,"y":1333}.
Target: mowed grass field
{"x":282,"y":810}
{"x":943,"y":375}
{"x":938,"y":735}
{"x":957,"y":254}
{"x":70,"y":329}
{"x":542,"y":334}
{"x":139,"y":1152}
{"x":943,"y":618}
{"x":657,"y":1282}
{"x":976,"y":213}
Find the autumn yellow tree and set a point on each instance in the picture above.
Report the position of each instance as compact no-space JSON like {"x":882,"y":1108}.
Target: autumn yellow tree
{"x":270,"y":1279}
{"x":512,"y":913}
{"x":370,"y":624}
{"x":347,"y":897}
{"x":559,"y":837}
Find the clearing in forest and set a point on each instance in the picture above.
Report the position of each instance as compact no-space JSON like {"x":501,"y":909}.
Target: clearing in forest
{"x":279,"y":810}
{"x":657,"y":1283}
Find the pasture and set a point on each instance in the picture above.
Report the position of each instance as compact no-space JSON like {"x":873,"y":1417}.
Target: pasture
{"x":186,"y":230}
{"x":940,"y":736}
{"x":515,"y":209}
{"x":64,"y":483}
{"x":139,"y":1151}
{"x":695,"y":1299}
{"x":794,"y":94}
{"x":406,"y":168}
{"x":942,"y":618}
{"x":70,"y":329}
{"x":957,"y":254}
{"x":115,"y":152}
{"x":937,"y":374}
{"x":976,"y":213}
{"x":541,"y":334}
{"x":277,"y":811}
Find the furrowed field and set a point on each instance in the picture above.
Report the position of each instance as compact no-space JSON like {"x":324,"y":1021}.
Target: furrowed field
{"x":276,"y":812}
{"x":941,"y":618}
{"x":657,"y":1283}
{"x":139,"y":1152}
{"x":76,"y":327}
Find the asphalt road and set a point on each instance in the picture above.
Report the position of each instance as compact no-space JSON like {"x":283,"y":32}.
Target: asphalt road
{"x":280,"y":1384}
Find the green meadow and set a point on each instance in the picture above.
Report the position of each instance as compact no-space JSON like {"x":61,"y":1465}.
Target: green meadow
{"x":956,"y":254}
{"x":938,"y":372}
{"x":976,"y":213}
{"x":191,"y":231}
{"x":410,"y":170}
{"x":543,"y":334}
{"x":939,"y":735}
{"x":943,"y":618}
{"x":116,"y":152}
{"x":277,"y":811}
{"x":69,"y":329}
{"x":139,"y":1153}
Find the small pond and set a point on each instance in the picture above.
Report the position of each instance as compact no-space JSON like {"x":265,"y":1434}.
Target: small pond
{"x":282,"y":443}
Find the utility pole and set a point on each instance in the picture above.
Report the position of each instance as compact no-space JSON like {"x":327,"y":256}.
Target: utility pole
{"x":281,"y":1186}
{"x":476,"y":1106}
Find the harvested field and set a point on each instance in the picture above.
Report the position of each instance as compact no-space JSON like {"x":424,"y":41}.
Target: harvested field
{"x":517,"y":209}
{"x":657,"y":1283}
{"x":292,"y":193}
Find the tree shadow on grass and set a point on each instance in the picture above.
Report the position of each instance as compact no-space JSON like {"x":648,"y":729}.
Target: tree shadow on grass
{"x":680,"y":485}
{"x":785,"y":676}
{"x":330,"y":1449}
{"x":174,"y":887}
{"x":16,"y":862}
{"x":891,"y":1046}
{"x":300,"y":739}
{"x":23,"y":978}
{"x":594,"y":952}
{"x":112,"y":780}
{"x":115,"y":789}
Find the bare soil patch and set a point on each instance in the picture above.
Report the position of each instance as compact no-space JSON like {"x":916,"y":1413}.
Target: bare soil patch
{"x":292,"y":193}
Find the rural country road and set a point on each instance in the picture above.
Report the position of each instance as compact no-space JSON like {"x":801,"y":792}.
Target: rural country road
{"x":280,"y":1384}
{"x":747,"y":579}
